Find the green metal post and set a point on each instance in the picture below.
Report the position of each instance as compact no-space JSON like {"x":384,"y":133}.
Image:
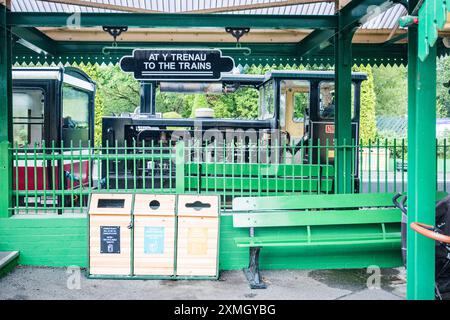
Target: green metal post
{"x":421,"y":170}
{"x":179,"y":167}
{"x":412,"y":76}
{"x":343,"y":100}
{"x":5,"y":116}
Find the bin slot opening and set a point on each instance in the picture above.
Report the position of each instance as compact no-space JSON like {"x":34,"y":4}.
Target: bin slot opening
{"x":154,"y":204}
{"x":198,"y":205}
{"x":111,"y":203}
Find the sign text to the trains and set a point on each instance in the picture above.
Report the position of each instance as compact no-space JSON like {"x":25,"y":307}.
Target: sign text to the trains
{"x":177,"y":64}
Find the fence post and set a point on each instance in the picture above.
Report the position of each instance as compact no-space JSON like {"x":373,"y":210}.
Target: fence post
{"x":5,"y":113}
{"x":343,"y":117}
{"x":6,"y":179}
{"x":421,"y":166}
{"x":179,"y":167}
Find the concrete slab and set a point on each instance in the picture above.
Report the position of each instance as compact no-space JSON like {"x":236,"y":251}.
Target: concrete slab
{"x":371,"y":294}
{"x":58,"y":283}
{"x":7,"y":256}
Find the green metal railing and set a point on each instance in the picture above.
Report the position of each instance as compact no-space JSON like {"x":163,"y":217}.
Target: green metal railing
{"x":56,"y":178}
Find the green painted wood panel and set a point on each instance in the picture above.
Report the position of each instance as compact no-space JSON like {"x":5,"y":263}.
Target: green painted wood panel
{"x":61,"y":241}
{"x":257,"y":184}
{"x":50,"y":241}
{"x":328,"y":201}
{"x":367,"y":244}
{"x":255,"y":169}
{"x":314,"y":218}
{"x":232,"y":257}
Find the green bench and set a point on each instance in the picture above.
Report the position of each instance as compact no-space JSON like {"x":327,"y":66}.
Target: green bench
{"x":337,"y":222}
{"x":258,"y":179}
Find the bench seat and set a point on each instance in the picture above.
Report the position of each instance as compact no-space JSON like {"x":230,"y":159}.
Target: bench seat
{"x":350,"y":222}
{"x":248,"y":242}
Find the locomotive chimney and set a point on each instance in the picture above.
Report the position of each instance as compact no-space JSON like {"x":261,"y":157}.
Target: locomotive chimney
{"x":148,"y":94}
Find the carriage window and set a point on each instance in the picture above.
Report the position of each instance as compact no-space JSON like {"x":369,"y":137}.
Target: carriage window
{"x":28,"y":117}
{"x":75,"y":126}
{"x":267,"y":105}
{"x":297,"y":93}
{"x":300,"y":100}
{"x":327,"y":100}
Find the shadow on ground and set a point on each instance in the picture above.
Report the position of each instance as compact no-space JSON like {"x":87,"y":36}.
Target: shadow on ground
{"x":56,"y":283}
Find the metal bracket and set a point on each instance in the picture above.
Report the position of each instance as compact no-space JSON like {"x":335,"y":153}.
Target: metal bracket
{"x":237,"y":33}
{"x":115,"y":31}
{"x":252,"y":272}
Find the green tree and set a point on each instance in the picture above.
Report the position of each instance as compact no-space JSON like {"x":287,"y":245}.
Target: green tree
{"x":200,"y":101}
{"x":93,"y":71}
{"x":242,"y":104}
{"x":390,"y":85}
{"x":442,"y":93}
{"x":120,"y":90}
{"x":367,"y":125}
{"x":173,"y":102}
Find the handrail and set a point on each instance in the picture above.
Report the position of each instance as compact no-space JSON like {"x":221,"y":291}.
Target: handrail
{"x":430,"y":232}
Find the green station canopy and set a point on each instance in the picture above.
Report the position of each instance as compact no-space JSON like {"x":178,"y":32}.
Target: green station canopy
{"x":281,"y":32}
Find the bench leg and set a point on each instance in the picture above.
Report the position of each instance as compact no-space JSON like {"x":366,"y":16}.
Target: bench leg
{"x":252,"y":272}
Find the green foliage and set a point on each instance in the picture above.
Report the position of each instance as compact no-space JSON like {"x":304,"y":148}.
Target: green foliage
{"x":390,"y":137}
{"x":242,"y":104}
{"x":200,"y":101}
{"x":173,"y":102}
{"x":94,"y":72}
{"x":443,"y":95}
{"x":121,"y":91}
{"x":390,"y":85}
{"x":171,"y":115}
{"x":301,"y":102}
{"x":367,"y":125}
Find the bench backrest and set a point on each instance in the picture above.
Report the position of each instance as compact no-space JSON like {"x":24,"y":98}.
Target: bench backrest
{"x":316,"y":218}
{"x":316,"y":210}
{"x":304,"y":202}
{"x":259,"y":178}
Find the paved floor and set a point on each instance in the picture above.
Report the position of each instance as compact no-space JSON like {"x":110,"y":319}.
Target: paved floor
{"x":54,"y":283}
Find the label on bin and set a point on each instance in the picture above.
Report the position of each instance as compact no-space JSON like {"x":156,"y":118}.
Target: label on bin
{"x":153,"y":240}
{"x":197,"y":242}
{"x":109,"y":239}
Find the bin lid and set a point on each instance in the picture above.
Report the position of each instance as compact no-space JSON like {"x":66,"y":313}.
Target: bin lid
{"x":110,"y":204}
{"x":154,"y":204}
{"x":198,"y":206}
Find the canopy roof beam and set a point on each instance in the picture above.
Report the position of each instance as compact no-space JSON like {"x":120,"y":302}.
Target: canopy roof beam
{"x":169,"y":20}
{"x":352,"y":15}
{"x":35,"y":40}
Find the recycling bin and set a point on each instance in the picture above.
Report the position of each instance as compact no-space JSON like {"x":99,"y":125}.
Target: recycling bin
{"x":154,"y":234}
{"x":110,"y":234}
{"x":198,"y":235}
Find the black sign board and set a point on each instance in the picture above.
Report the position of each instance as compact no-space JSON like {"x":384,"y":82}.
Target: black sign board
{"x":178,"y":65}
{"x":109,"y":239}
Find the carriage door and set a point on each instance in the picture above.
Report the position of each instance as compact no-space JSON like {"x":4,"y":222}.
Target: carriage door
{"x":296,"y":95}
{"x":28,"y":132}
{"x":76,"y":105}
{"x":28,"y":117}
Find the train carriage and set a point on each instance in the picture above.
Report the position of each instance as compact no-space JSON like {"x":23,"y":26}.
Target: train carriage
{"x":296,"y":105}
{"x":54,"y":106}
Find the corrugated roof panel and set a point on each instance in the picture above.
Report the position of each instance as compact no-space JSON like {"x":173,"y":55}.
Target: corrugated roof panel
{"x":386,"y":20}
